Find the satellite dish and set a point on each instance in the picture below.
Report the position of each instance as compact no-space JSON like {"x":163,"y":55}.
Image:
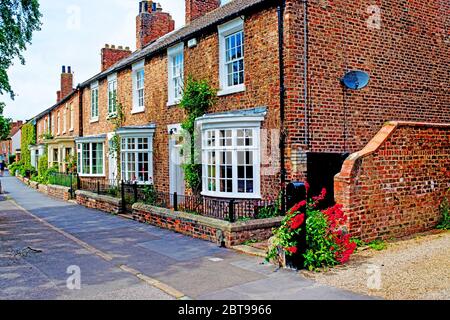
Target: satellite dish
{"x":356,"y":80}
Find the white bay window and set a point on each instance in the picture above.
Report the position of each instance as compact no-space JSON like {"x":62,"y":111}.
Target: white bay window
{"x":90,"y":157}
{"x":231,"y":154}
{"x":137,"y":154}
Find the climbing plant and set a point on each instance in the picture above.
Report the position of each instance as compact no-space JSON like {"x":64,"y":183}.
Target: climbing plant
{"x":28,"y":139}
{"x":114,"y":148}
{"x":198,"y":97}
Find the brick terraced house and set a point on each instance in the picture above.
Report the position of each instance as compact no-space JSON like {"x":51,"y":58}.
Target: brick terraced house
{"x":278,"y":67}
{"x":58,"y":126}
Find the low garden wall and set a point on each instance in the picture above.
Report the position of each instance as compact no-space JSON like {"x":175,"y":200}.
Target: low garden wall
{"x":214,"y":230}
{"x":58,"y":192}
{"x":394,"y":186}
{"x":99,"y":202}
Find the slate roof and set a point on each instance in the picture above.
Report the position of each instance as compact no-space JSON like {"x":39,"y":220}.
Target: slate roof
{"x":213,"y":18}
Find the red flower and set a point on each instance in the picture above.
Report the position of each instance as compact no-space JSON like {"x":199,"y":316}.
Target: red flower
{"x":292,"y":250}
{"x":321,"y":197}
{"x":307,"y":186}
{"x":297,"y":221}
{"x":298,"y":206}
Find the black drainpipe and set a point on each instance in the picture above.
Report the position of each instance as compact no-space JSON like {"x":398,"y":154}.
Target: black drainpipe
{"x":280,"y":11}
{"x":80,"y":112}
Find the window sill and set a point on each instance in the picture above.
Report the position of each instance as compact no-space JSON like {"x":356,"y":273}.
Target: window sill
{"x":112,"y":116}
{"x":231,"y":90}
{"x":230,"y":196}
{"x":173,"y":103}
{"x":94,"y":120}
{"x":137,"y":111}
{"x":91,"y":175}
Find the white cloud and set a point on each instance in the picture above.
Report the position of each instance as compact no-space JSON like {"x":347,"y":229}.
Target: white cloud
{"x":73,"y":33}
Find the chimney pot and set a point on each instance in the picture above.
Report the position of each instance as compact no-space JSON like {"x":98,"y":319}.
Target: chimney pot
{"x":107,"y":46}
{"x":120,"y":47}
{"x":63,"y":69}
{"x":69,"y":69}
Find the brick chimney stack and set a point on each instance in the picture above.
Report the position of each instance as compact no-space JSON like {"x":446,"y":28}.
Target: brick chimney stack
{"x":198,"y":8}
{"x":66,"y":83}
{"x":111,"y":55}
{"x":151,"y":23}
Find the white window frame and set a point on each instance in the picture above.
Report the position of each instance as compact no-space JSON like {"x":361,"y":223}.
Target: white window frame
{"x":233,"y":123}
{"x":80,"y":157}
{"x":138,"y":105}
{"x":52,"y":120}
{"x":124,"y":152}
{"x":94,"y":101}
{"x":72,"y":117}
{"x":64,"y":119}
{"x":58,"y":124}
{"x":136,"y":134}
{"x":172,"y":53}
{"x":225,"y":30}
{"x":112,"y":83}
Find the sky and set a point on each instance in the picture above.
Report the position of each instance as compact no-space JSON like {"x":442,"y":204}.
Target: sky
{"x":73,"y":33}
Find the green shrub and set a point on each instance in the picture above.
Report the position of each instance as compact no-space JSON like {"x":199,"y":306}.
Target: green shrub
{"x":378,"y":245}
{"x":445,"y":212}
{"x":150,"y":195}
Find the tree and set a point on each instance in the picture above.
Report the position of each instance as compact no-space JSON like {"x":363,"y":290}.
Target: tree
{"x":18,"y":20}
{"x":5,"y":124}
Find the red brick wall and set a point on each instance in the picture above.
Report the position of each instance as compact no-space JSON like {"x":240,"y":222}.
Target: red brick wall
{"x":408,"y":59}
{"x":394,"y":186}
{"x":207,"y":229}
{"x":198,"y":8}
{"x":111,"y":55}
{"x":262,"y":87}
{"x":74,"y":102}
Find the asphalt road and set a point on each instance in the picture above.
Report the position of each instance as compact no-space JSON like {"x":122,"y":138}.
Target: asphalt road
{"x":55,"y":250}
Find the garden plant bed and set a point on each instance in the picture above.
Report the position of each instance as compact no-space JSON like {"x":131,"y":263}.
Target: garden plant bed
{"x":411,"y":268}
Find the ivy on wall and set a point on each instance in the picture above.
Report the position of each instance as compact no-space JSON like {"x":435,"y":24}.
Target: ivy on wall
{"x":28,"y":139}
{"x":198,"y":97}
{"x":117,"y":121}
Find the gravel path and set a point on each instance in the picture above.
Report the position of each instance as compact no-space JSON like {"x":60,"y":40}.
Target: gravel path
{"x":413,"y":269}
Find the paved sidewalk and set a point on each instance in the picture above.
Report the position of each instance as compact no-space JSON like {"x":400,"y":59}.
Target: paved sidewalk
{"x":122,"y":259}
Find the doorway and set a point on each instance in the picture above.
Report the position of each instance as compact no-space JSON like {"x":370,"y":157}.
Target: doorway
{"x":176,"y":173}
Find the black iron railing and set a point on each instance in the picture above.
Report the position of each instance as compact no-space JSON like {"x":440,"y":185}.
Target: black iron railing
{"x":131,"y":192}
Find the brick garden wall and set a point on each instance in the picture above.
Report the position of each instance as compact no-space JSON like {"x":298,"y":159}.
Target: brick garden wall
{"x":205,"y":228}
{"x":99,"y":202}
{"x":393,"y":187}
{"x":58,"y":192}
